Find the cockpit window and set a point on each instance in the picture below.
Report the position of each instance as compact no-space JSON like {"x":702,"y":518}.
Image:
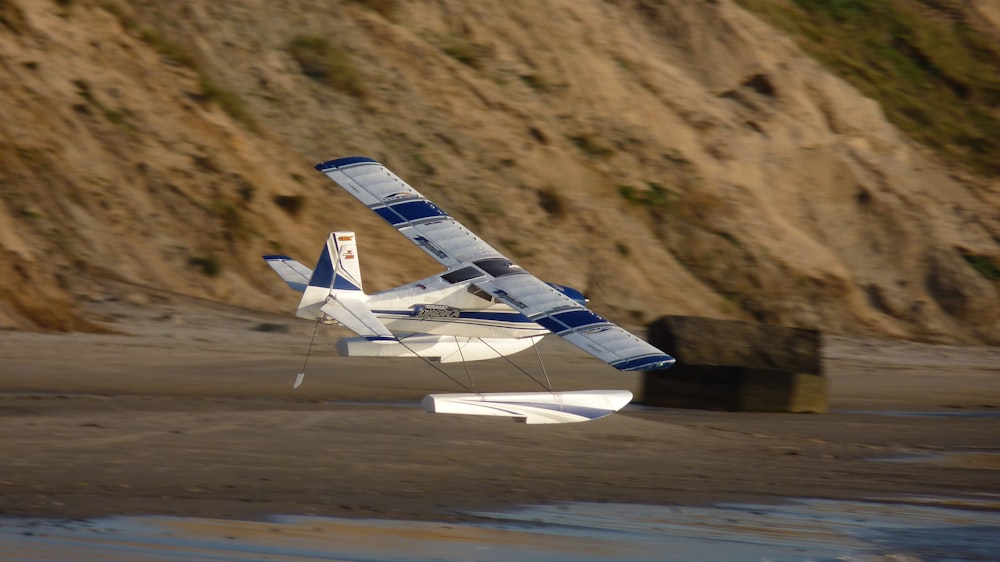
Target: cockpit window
{"x":460,"y":275}
{"x":498,"y":267}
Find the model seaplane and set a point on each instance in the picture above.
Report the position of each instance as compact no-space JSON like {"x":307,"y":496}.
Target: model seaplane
{"x":483,"y":306}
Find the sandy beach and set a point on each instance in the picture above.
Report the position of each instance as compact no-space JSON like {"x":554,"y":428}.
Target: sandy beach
{"x":189,"y":410}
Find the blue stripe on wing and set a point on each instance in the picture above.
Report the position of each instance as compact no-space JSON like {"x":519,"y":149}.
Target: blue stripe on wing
{"x":416,"y":210}
{"x":341,"y":162}
{"x":409,"y":211}
{"x":390,"y":216}
{"x":551,"y":325}
{"x":579,"y":318}
{"x":645,"y":363}
{"x":572,"y":321}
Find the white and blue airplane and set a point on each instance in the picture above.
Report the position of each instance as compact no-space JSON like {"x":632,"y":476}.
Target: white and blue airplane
{"x":483,"y":306}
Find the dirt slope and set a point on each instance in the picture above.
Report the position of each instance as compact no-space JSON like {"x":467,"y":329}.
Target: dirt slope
{"x":668,"y":157}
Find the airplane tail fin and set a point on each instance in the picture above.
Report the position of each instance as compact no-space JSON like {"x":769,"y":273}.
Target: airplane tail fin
{"x":337,"y":270}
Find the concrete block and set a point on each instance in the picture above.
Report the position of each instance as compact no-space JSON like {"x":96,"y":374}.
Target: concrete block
{"x":736,"y":366}
{"x":694,"y":340}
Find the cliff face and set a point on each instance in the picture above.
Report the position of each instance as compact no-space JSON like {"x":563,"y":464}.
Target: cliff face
{"x":669,"y":157}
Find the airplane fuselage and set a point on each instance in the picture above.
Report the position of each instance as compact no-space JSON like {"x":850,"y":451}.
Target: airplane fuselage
{"x":436,"y":306}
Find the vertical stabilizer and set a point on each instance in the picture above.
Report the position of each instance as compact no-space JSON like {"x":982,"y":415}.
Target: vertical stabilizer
{"x":337,"y":270}
{"x":347,"y":271}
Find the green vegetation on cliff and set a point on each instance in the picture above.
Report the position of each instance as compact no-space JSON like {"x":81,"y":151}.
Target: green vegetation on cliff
{"x":930,"y":65}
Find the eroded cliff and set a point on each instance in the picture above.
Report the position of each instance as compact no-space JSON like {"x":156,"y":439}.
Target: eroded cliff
{"x":677,"y":157}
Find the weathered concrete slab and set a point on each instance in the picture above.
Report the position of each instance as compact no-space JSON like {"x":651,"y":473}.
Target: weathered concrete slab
{"x":726,"y":365}
{"x":694,"y":340}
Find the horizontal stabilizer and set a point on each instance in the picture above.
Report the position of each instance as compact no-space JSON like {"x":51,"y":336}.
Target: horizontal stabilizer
{"x":348,"y":308}
{"x":532,"y":407}
{"x":291,"y":272}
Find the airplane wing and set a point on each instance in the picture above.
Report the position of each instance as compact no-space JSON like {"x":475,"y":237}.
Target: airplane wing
{"x":575,"y":323}
{"x":451,"y":244}
{"x":423,"y":222}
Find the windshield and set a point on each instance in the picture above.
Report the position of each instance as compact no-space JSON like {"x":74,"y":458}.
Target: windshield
{"x":498,"y":267}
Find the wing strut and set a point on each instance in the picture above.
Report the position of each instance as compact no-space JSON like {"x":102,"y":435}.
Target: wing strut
{"x":546,"y":386}
{"x":468,"y":373}
{"x":439,"y":369}
{"x":548,"y":383}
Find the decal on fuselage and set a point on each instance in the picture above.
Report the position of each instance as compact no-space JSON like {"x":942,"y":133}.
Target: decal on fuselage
{"x":423,"y":311}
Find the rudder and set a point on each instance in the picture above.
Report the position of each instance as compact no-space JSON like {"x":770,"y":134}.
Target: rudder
{"x":337,"y":269}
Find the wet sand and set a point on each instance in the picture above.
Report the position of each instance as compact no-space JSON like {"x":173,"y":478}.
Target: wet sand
{"x":193,"y":413}
{"x":796,"y":531}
